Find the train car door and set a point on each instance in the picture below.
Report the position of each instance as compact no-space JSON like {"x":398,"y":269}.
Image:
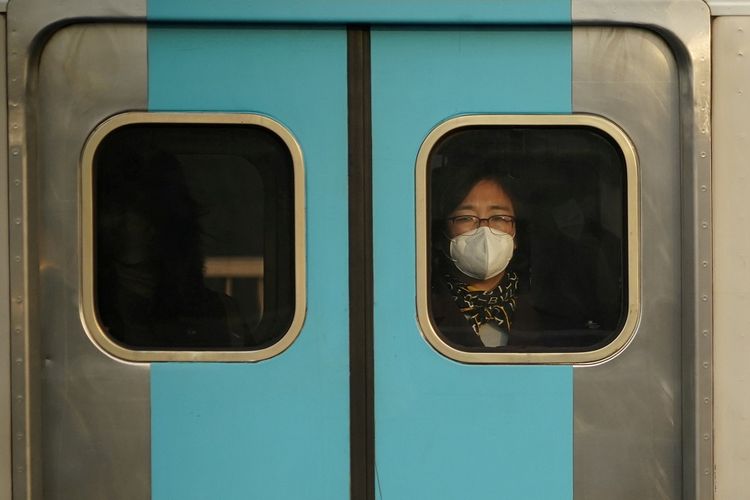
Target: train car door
{"x":197,"y":108}
{"x":193,"y":92}
{"x":546,"y":427}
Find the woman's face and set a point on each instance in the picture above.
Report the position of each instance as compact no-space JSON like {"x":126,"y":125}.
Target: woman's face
{"x":486,"y":199}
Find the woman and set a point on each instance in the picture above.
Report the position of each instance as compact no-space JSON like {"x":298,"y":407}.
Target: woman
{"x":474,"y":285}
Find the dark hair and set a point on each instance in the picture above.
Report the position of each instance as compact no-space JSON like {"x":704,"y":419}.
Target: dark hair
{"x":451,"y":185}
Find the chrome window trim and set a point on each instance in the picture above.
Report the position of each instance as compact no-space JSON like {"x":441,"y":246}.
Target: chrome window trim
{"x":87,"y":299}
{"x":630,"y":326}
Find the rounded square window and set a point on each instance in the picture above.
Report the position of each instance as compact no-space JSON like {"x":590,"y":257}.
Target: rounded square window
{"x":193,"y":237}
{"x":528,"y":239}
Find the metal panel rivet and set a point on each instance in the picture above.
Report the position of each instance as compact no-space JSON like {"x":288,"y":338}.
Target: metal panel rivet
{"x":703,"y":130}
{"x":740,"y":53}
{"x":20,"y":468}
{"x":19,"y":300}
{"x":705,"y":333}
{"x":705,"y":437}
{"x":18,"y":330}
{"x":19,"y":361}
{"x":17,"y":182}
{"x":704,"y":224}
{"x":739,"y":92}
{"x":703,"y":83}
{"x":18,"y":220}
{"x":705,"y":263}
{"x":706,"y":400}
{"x":19,"y":436}
{"x":706,"y":472}
{"x":15,"y":152}
{"x":704,"y":298}
{"x":19,"y":397}
{"x":705,"y":364}
{"x":18,"y":258}
{"x":704,"y":188}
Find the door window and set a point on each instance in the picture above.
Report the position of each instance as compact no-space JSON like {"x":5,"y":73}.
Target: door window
{"x":529,"y":226}
{"x":194,"y":232}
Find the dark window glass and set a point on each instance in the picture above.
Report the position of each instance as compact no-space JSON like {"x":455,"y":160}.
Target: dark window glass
{"x":553,"y":200}
{"x":194,"y":236}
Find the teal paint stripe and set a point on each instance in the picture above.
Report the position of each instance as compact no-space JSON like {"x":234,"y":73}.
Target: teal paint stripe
{"x":278,"y":428}
{"x":364,"y":11}
{"x":446,"y":430}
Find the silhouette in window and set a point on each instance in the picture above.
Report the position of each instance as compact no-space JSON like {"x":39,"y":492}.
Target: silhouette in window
{"x":150,"y":286}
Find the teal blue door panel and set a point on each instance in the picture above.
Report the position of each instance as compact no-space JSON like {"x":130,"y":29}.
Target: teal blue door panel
{"x":277,"y":429}
{"x":446,"y":430}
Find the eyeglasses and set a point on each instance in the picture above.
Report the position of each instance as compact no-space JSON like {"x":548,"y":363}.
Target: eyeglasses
{"x":462,"y":224}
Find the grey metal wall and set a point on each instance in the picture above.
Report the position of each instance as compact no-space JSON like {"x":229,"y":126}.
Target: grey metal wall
{"x":731,"y":98}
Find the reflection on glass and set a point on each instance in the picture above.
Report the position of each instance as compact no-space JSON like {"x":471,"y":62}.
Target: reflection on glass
{"x":527,"y":238}
{"x":190,"y":253}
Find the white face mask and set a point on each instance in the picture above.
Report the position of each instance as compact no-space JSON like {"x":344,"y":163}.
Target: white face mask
{"x":482,"y":254}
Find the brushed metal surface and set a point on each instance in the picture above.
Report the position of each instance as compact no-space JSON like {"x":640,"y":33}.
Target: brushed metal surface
{"x":29,"y":24}
{"x":627,"y":422}
{"x":5,"y":392}
{"x":685,"y":25}
{"x":94,"y":410}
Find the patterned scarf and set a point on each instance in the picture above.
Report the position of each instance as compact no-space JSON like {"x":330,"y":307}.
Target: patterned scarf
{"x":496,"y":305}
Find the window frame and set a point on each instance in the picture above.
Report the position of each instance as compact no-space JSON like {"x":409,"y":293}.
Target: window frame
{"x":87,"y":299}
{"x":632,"y":226}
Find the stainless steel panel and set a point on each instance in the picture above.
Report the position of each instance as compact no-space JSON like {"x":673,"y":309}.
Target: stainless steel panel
{"x":5,"y":394}
{"x":628,"y":411}
{"x":94,"y":410}
{"x":685,"y":26}
{"x":29,"y":24}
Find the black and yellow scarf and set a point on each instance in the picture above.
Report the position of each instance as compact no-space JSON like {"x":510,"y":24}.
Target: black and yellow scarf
{"x":479,"y":306}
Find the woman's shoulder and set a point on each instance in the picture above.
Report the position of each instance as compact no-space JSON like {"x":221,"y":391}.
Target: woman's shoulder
{"x":450,"y":324}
